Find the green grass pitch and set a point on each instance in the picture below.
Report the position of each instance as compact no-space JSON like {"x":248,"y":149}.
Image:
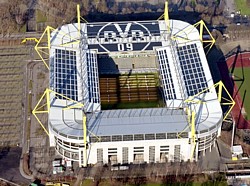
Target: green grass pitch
{"x":242,"y":79}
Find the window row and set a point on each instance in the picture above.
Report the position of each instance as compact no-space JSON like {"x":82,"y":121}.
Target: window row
{"x":137,"y":137}
{"x":166,"y":76}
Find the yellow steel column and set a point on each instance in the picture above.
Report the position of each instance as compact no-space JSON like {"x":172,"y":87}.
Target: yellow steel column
{"x":201,"y":30}
{"x":84,"y":120}
{"x":220,"y":91}
{"x":232,"y":103}
{"x":193,"y":135}
{"x":166,"y":17}
{"x":78,"y":19}
{"x":48,"y":36}
{"x":48,"y":99}
{"x":193,"y":126}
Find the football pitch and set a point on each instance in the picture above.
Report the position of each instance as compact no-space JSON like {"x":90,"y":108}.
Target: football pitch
{"x":242,"y":79}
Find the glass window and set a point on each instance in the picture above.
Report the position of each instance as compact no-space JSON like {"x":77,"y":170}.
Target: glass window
{"x":191,"y":62}
{"x":65,"y":72}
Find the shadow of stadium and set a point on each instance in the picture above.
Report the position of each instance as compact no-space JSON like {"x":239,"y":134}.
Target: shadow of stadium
{"x":226,"y":69}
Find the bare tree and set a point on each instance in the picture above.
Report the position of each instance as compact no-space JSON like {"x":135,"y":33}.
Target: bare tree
{"x":115,"y":8}
{"x":18,"y":11}
{"x":101,"y":6}
{"x":4,"y":14}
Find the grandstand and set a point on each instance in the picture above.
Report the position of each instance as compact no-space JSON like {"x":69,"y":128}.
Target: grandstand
{"x":115,"y":89}
{"x":107,"y":63}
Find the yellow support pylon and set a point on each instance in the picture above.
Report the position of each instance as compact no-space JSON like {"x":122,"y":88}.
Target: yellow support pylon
{"x":191,"y":114}
{"x":41,"y":46}
{"x":39,"y":108}
{"x":79,"y":18}
{"x":201,"y":26}
{"x":166,"y":17}
{"x":29,"y":39}
{"x":84,"y":122}
{"x":223,"y":100}
{"x":191,"y":125}
{"x":40,"y":49}
{"x":193,"y":134}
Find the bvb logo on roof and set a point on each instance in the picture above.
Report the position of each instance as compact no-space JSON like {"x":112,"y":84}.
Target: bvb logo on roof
{"x":124,"y":36}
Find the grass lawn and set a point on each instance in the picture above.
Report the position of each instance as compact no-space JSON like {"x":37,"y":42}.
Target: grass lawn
{"x":40,"y":17}
{"x":23,"y":29}
{"x":243,"y":86}
{"x":242,"y":6}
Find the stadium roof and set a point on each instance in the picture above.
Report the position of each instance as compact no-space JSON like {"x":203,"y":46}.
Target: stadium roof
{"x":104,"y":37}
{"x":187,"y":64}
{"x":134,"y":121}
{"x":119,"y":122}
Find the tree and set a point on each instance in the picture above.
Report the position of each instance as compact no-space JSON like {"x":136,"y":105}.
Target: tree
{"x":101,"y":6}
{"x":85,"y":7}
{"x":193,"y":4}
{"x":18,"y":12}
{"x":200,"y":8}
{"x":4,"y":14}
{"x":115,"y":8}
{"x":188,"y":8}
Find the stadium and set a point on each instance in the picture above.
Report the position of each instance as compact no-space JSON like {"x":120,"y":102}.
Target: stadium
{"x":96,"y":66}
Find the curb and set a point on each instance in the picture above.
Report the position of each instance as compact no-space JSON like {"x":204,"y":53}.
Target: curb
{"x":29,"y":177}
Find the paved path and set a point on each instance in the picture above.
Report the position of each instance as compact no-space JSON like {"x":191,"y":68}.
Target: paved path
{"x":230,"y":6}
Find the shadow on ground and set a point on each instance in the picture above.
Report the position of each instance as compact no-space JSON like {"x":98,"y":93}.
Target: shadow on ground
{"x":9,"y":165}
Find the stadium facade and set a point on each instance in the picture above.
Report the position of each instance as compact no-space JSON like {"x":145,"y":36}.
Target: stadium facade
{"x":124,"y":136}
